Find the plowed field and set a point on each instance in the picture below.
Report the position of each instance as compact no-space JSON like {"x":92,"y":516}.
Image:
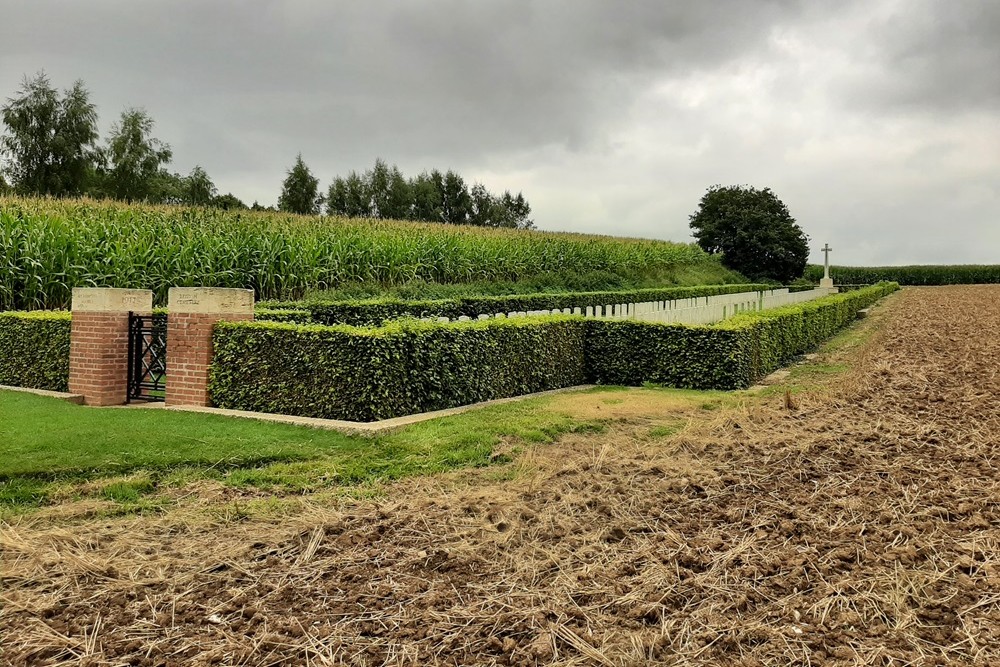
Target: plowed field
{"x":858,"y":526}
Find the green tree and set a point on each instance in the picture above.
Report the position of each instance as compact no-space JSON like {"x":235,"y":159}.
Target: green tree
{"x":515,"y":211}
{"x":199,"y":190}
{"x":4,"y":188}
{"x":753,"y":230}
{"x":229,"y":202}
{"x":427,"y":192}
{"x":300,"y":191}
{"x":455,"y":200}
{"x":349,"y":197}
{"x":135,"y":158}
{"x":483,"y":208}
{"x":50,"y":142}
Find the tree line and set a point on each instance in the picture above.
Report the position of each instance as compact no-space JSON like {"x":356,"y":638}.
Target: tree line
{"x":383,"y":192}
{"x":50,"y":145}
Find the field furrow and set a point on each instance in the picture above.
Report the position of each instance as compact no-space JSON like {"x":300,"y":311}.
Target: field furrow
{"x":855,"y":525}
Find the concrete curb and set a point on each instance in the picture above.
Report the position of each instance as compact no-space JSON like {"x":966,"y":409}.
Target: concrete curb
{"x":61,"y":395}
{"x":369,"y":428}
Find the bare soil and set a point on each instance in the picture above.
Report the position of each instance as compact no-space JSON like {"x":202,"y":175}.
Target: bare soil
{"x":854,"y":526}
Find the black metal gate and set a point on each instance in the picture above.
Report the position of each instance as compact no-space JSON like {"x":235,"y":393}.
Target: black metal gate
{"x":147,"y":357}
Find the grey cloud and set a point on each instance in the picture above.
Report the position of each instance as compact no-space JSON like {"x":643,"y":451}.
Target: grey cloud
{"x":347,"y":81}
{"x":873,"y":119}
{"x":933,"y":57}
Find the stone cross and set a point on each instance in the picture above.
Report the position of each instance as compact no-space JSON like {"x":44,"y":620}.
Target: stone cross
{"x":826,"y":261}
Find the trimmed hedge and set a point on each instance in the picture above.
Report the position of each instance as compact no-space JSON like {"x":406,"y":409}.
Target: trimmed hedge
{"x":365,"y":374}
{"x":297,"y":315}
{"x":730,"y":355}
{"x":375,"y":312}
{"x":344,"y":372}
{"x":919,"y":274}
{"x":34,"y":349}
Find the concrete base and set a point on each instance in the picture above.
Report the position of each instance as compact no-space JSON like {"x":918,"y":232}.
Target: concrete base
{"x":61,"y":395}
{"x":367,"y":428}
{"x":826,"y":282}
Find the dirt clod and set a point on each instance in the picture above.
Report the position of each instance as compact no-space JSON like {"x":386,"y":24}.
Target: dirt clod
{"x":862,"y":528}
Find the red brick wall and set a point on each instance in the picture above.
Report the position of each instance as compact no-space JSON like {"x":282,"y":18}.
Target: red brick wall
{"x":189,"y":355}
{"x":98,"y":357}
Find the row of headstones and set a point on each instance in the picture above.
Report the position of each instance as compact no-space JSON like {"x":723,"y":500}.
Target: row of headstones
{"x":697,"y":310}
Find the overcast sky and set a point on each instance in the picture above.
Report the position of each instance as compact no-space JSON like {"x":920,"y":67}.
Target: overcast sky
{"x":875,"y":121}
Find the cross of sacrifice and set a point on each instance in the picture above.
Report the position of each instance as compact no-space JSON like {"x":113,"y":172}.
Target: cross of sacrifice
{"x":826,"y":260}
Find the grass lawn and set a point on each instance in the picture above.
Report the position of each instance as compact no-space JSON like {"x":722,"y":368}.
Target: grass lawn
{"x":51,"y":447}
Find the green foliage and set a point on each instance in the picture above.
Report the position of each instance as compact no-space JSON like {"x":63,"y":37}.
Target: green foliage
{"x":299,"y":316}
{"x":383,"y":193}
{"x":352,"y":373}
{"x":300,"y":190}
{"x":707,"y":272}
{"x":754,"y":232}
{"x":376,"y":311}
{"x":134,"y":158}
{"x":50,"y":140}
{"x":405,"y":367}
{"x":199,"y":190}
{"x":48,"y":247}
{"x":926,"y":274}
{"x":34,"y":349}
{"x":229,"y":202}
{"x":730,"y":355}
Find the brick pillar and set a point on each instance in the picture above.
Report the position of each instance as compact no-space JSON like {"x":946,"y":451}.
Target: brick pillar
{"x":193,"y":312}
{"x":98,"y":349}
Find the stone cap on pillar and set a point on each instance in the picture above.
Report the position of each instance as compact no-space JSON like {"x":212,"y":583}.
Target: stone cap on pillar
{"x":214,"y":300}
{"x":111,"y":300}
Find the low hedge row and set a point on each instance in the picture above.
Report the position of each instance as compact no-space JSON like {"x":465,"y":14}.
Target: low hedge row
{"x":297,"y":315}
{"x":344,"y":372}
{"x":375,"y":312}
{"x":34,"y":349}
{"x":927,"y":274}
{"x":365,"y":374}
{"x":730,"y":355}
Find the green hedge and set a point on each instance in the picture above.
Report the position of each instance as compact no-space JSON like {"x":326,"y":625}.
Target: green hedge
{"x":730,"y":355}
{"x":365,"y":374}
{"x":375,"y":312}
{"x":926,"y":274}
{"x":344,"y":372}
{"x":297,"y":315}
{"x":34,"y":349}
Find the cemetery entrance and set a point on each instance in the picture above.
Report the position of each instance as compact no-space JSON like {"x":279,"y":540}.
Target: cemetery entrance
{"x":147,"y":357}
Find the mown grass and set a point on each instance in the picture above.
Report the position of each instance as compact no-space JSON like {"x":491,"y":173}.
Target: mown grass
{"x":50,"y":449}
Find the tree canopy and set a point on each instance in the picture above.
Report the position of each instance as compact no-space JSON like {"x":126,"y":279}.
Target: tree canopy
{"x":50,"y":141}
{"x":49,"y":146}
{"x":300,"y":190}
{"x":134,"y":157}
{"x":383,"y":192}
{"x":753,"y":230}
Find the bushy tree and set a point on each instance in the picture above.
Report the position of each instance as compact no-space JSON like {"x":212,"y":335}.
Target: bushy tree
{"x":199,"y":190}
{"x":753,"y":230}
{"x":135,"y":158}
{"x":349,"y":197}
{"x":427,"y":190}
{"x":383,"y":192}
{"x":50,"y":141}
{"x":455,"y":200}
{"x":300,"y":191}
{"x":229,"y":202}
{"x":487,"y":210}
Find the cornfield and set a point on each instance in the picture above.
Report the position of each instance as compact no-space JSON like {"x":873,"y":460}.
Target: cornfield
{"x":47,"y":247}
{"x":918,"y":274}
